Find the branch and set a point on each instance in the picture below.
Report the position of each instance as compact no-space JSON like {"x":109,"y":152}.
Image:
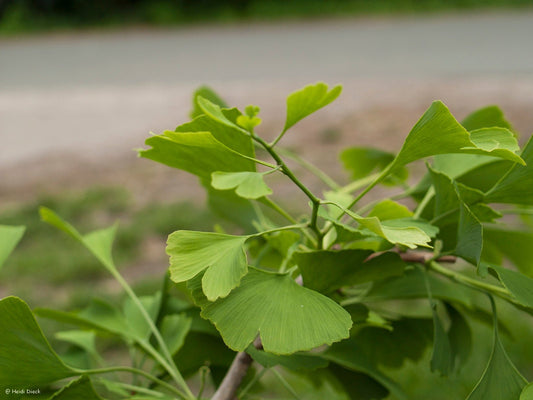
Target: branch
{"x":236,"y":373}
{"x":420,"y":257}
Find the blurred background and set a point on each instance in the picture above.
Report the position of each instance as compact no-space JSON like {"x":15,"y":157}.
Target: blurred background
{"x":82,"y":83}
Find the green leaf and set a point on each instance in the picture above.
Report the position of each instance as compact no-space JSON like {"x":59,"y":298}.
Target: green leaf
{"x":206,"y":93}
{"x":501,"y":379}
{"x":222,"y":256}
{"x":469,"y":236}
{"x":174,"y":330}
{"x":99,"y":242}
{"x":306,"y":101}
{"x":421,"y":224}
{"x":25,"y":355}
{"x":362,"y":161}
{"x":405,"y":236}
{"x":139,"y":327}
{"x":249,"y":185}
{"x":288,"y":317}
{"x":294,"y":362}
{"x":83,"y":339}
{"x":198,"y":153}
{"x":390,"y":209}
{"x":99,"y":315}
{"x":325,"y":271}
{"x":460,"y":336}
{"x":516,"y":187}
{"x":514,"y":245}
{"x":79,"y":389}
{"x":9,"y":238}
{"x":486,"y":117}
{"x":519,"y":285}
{"x":527,"y":393}
{"x":214,"y":112}
{"x":438,"y":132}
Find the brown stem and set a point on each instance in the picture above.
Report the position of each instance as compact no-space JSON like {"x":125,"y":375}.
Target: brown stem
{"x":421,"y":257}
{"x":236,"y":373}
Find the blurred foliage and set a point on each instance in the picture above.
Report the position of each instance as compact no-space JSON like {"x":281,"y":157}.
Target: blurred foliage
{"x":48,"y":256}
{"x":36,"y":15}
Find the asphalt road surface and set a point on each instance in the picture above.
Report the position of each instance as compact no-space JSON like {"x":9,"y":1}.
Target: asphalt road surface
{"x":96,"y":95}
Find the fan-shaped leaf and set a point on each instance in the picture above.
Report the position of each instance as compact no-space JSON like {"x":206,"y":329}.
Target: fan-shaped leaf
{"x":206,"y":93}
{"x":249,"y":185}
{"x":9,"y":237}
{"x":222,"y":256}
{"x":288,"y":317}
{"x":79,"y":389}
{"x":306,"y":101}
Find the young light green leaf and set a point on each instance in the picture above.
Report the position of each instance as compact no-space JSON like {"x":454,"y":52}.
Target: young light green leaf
{"x":527,"y":393}
{"x":206,"y":93}
{"x":516,"y":187}
{"x":79,"y":389}
{"x":438,"y":132}
{"x":306,"y":101}
{"x":410,"y":236}
{"x":325,"y":271}
{"x":248,"y":185}
{"x":26,"y":357}
{"x":389,"y":209}
{"x":222,"y":256}
{"x":288,"y":317}
{"x":421,"y":224}
{"x":198,"y":153}
{"x":215,"y":112}
{"x":174,"y":330}
{"x":9,"y":238}
{"x":250,"y":120}
{"x":519,"y":285}
{"x":501,"y":379}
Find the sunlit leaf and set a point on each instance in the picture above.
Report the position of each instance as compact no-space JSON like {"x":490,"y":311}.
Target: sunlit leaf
{"x":288,"y":317}
{"x":516,"y":186}
{"x":486,"y":117}
{"x":249,"y":185}
{"x":206,"y":93}
{"x":438,"y":132}
{"x":306,"y":101}
{"x":9,"y":238}
{"x":390,"y":209}
{"x":214,"y":111}
{"x":25,"y":355}
{"x":79,"y":389}
{"x":222,"y":256}
{"x":527,"y":393}
{"x":198,"y":153}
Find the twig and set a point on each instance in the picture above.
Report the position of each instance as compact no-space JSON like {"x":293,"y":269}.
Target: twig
{"x":420,"y":257}
{"x":236,"y":373}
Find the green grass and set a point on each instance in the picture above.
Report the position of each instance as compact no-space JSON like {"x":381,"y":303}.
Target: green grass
{"x":21,"y":18}
{"x":49,"y":266}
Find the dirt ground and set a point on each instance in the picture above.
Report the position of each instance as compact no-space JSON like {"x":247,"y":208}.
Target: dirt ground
{"x":372,"y":112}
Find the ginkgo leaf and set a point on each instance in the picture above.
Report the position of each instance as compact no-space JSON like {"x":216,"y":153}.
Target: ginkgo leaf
{"x":174,"y":329}
{"x":409,"y":236}
{"x":511,"y":244}
{"x":389,"y":209}
{"x":501,"y":379}
{"x":306,"y":101}
{"x":221,"y":256}
{"x":438,"y":132}
{"x":99,"y":242}
{"x":527,"y":393}
{"x":9,"y":238}
{"x":516,"y":187}
{"x":295,"y":362}
{"x":362,"y":161}
{"x":519,"y":285}
{"x":198,"y":153}
{"x":249,"y":185}
{"x":288,"y":317}
{"x":206,"y":93}
{"x":26,"y":357}
{"x":486,"y":117}
{"x":215,"y":112}
{"x":469,"y":236}
{"x":79,"y":389}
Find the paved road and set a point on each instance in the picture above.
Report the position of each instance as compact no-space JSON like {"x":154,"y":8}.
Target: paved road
{"x":89,"y":93}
